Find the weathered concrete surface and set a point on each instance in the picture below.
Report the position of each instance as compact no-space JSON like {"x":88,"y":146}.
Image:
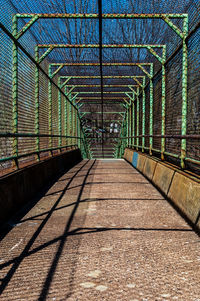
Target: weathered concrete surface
{"x":101,"y":232}
{"x":149,"y":168}
{"x":185,"y":193}
{"x":128,"y":154}
{"x":141,"y":162}
{"x":182,"y":188}
{"x":23,"y":184}
{"x":163,"y":177}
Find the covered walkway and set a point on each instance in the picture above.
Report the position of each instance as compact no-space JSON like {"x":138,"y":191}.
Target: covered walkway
{"x":100,"y":232}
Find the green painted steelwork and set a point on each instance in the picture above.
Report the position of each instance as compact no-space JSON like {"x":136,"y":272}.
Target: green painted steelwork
{"x":37,"y":106}
{"x":69,"y":125}
{"x":168,"y":18}
{"x":59,"y":115}
{"x":98,"y":92}
{"x":34,"y":153}
{"x":97,"y":76}
{"x":140,"y":65}
{"x":104,"y":16}
{"x":50,"y":109}
{"x":97,"y":86}
{"x":151,"y":112}
{"x":15,"y":36}
{"x":143,"y":115}
{"x":130,"y":123}
{"x":105,"y":112}
{"x":66,"y":118}
{"x":184,"y":90}
{"x":133,"y":119}
{"x":138,"y":116}
{"x":15,"y":91}
{"x":61,"y":65}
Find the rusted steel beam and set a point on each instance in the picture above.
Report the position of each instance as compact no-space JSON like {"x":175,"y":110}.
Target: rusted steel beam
{"x":96,"y":86}
{"x":106,"y":76}
{"x":52,"y":46}
{"x":104,"y":16}
{"x":97,"y":64}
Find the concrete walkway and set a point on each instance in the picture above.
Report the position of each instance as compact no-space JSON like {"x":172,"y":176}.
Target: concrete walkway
{"x":101,"y":232}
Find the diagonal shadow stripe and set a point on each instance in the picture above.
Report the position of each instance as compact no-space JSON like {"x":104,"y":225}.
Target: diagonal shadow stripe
{"x":63,"y":240}
{"x":24,"y":253}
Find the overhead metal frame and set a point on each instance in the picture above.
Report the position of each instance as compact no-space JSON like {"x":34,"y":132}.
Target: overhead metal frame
{"x":151,"y":48}
{"x":167,"y":18}
{"x":140,"y":65}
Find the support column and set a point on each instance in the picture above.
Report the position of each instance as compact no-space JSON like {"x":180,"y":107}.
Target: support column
{"x":143,"y":115}
{"x":184,"y":92}
{"x":138,"y":117}
{"x":37,"y":125}
{"x":15,"y":92}
{"x":133,"y":121}
{"x":73,"y":125}
{"x":50,"y":109}
{"x":69,"y":117}
{"x":59,"y":115}
{"x":130,"y":123}
{"x":151,"y":112}
{"x":163,"y":112}
{"x":127,"y":126}
{"x":78,"y":131}
{"x":70,"y":123}
{"x":65,"y":106}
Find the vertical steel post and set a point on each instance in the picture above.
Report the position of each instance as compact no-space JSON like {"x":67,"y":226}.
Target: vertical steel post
{"x":37,"y":125}
{"x":151,"y":111}
{"x":125,"y":132}
{"x":130,"y":123}
{"x":15,"y":91}
{"x":138,"y":117}
{"x":50,"y":108}
{"x":68,"y":118}
{"x":78,"y":131}
{"x":122,"y":144}
{"x":73,"y":125}
{"x":76,"y":127}
{"x":143,"y":114}
{"x":133,"y":122}
{"x":184,"y":91}
{"x":81,"y":147}
{"x":65,"y":118}
{"x":163,"y":104}
{"x":70,"y":121}
{"x":59,"y":115}
{"x":127,"y":126}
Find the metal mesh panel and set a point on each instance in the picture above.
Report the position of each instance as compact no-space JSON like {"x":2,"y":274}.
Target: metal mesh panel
{"x":53,"y":117}
{"x":135,"y":120}
{"x":193,"y":109}
{"x":157,"y":109}
{"x":5,"y":98}
{"x":63,"y":120}
{"x":147,"y":114}
{"x":174,"y":102}
{"x":26,"y":105}
{"x":43,"y":110}
{"x":140,"y":119}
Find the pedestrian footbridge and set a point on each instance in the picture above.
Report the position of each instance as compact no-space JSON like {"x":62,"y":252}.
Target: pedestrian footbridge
{"x":99,"y":150}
